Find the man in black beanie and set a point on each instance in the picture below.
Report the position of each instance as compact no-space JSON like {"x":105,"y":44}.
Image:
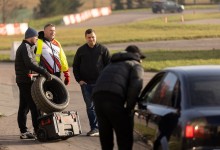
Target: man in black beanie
{"x":115,"y":95}
{"x":25,"y":63}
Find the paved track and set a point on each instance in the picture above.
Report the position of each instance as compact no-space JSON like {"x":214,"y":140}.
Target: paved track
{"x":9,"y":135}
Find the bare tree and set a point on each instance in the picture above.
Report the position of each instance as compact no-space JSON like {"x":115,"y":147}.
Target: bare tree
{"x":9,"y":6}
{"x":3,"y":6}
{"x":129,"y":4}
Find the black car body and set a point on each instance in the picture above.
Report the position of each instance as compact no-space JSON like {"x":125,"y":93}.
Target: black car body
{"x":166,"y":6}
{"x":182,"y":106}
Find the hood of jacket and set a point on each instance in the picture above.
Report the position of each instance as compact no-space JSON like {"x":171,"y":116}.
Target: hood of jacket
{"x":123,"y":56}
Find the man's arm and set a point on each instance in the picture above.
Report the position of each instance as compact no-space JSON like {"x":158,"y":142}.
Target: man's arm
{"x":106,"y":57}
{"x":63,"y":60}
{"x":134,"y":86}
{"x":76,"y":66}
{"x":31,"y":64}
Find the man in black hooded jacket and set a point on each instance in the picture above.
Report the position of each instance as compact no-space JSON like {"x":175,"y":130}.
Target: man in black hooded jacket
{"x":115,"y":95}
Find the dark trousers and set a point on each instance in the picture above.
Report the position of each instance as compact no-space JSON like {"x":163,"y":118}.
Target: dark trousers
{"x":26,"y":103}
{"x":112,"y":116}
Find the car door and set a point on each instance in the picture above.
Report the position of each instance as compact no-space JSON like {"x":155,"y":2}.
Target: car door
{"x":170,"y":6}
{"x":161,"y":98}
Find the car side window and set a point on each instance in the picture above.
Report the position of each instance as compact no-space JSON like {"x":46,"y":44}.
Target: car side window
{"x":148,"y":93}
{"x":204,"y":91}
{"x":165,"y":93}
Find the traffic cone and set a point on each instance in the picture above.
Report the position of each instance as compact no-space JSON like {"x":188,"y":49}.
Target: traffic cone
{"x":165,"y":19}
{"x":182,"y":18}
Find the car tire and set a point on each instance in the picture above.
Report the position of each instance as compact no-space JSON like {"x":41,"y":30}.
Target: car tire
{"x":162,"y":11}
{"x":154,"y":11}
{"x":50,"y":96}
{"x":179,"y":10}
{"x":42,"y":135}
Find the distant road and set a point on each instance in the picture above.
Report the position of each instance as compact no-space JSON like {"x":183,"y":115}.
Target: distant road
{"x":124,"y":17}
{"x":195,"y":44}
{"x":117,"y":18}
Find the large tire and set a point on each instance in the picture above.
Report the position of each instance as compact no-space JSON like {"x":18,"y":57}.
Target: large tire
{"x":50,"y":96}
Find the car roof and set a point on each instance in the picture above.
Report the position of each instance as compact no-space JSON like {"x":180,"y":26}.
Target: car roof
{"x":162,"y":1}
{"x":196,"y":70}
{"x":159,"y":0}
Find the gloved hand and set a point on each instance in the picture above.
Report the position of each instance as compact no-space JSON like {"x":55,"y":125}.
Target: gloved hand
{"x":67,"y":77}
{"x":48,"y":76}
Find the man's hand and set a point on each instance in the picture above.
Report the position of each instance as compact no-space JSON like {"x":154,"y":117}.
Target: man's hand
{"x":67,"y":77}
{"x":67,"y":80}
{"x":82,"y":82}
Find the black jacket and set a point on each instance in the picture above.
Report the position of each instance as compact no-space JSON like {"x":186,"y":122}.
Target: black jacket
{"x":25,"y":63}
{"x":123,"y":77}
{"x":89,"y":62}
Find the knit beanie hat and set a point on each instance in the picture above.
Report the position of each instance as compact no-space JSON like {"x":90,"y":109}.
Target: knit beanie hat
{"x":30,"y":33}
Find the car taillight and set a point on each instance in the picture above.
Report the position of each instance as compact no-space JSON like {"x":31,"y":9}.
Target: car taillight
{"x":189,"y":132}
{"x":194,"y":131}
{"x":45,"y":122}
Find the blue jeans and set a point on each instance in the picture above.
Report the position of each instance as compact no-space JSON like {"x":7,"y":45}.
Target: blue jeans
{"x":87,"y":95}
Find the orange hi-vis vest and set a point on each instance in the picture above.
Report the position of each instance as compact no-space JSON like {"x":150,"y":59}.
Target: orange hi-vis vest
{"x":51,"y":56}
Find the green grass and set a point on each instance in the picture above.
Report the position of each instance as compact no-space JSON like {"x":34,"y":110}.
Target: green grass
{"x":145,"y":131}
{"x":147,"y":30}
{"x":40,"y":23}
{"x":159,"y":59}
{"x":148,"y":134}
{"x":4,"y":57}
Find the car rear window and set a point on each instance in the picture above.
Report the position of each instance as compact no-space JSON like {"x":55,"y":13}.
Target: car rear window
{"x":205,"y":91}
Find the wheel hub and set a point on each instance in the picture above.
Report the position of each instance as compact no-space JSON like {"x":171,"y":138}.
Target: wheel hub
{"x":49,"y":95}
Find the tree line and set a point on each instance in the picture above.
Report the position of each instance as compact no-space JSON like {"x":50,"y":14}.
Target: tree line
{"x":48,"y":8}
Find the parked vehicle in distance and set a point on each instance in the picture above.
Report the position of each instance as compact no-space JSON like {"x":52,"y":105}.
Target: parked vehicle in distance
{"x":163,"y":6}
{"x":181,"y":106}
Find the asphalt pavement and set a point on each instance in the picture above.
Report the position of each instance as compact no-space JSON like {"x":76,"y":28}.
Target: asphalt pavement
{"x":9,"y":132}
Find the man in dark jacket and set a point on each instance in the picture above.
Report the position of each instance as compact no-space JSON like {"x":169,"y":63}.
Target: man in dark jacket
{"x":25,"y":63}
{"x":89,"y":61}
{"x":115,"y":96}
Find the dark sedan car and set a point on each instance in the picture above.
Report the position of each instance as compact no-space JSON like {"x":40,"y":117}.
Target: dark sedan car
{"x":163,"y":6}
{"x":181,"y":106}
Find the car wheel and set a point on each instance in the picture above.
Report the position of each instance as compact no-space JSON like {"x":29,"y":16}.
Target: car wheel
{"x":42,"y":135}
{"x":179,"y":10}
{"x":154,"y":11}
{"x":50,"y":96}
{"x":162,"y":11}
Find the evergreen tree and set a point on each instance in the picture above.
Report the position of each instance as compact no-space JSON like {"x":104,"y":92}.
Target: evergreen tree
{"x":49,"y":8}
{"x":118,"y":4}
{"x":129,"y":4}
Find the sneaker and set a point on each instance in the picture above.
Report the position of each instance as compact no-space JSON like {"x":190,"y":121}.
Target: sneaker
{"x":27,"y":135}
{"x":94,"y":132}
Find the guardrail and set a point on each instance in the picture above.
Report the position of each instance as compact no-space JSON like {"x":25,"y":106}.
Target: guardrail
{"x":85,"y":15}
{"x":13,"y":28}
